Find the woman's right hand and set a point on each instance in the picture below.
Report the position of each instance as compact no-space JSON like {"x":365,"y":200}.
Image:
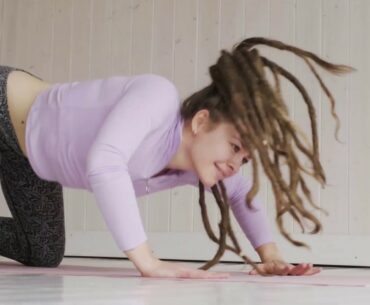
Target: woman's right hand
{"x":150,"y":266}
{"x":165,"y":269}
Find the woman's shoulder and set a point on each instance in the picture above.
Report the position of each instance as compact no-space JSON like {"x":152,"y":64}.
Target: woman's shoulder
{"x":158,"y":82}
{"x":157,"y":94}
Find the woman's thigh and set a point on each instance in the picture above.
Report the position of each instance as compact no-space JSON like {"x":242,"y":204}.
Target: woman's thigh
{"x":36,"y":205}
{"x":37,"y":208}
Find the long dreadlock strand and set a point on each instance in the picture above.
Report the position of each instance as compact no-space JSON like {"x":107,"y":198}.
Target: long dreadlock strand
{"x":240,"y":94}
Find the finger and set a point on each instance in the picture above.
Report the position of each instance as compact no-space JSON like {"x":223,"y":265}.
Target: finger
{"x":282,"y":270}
{"x":308,"y":269}
{"x":313,"y":271}
{"x":261,"y":269}
{"x":299,"y":269}
{"x":278,"y":268}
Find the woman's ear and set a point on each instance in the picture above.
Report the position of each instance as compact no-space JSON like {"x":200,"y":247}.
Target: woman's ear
{"x":199,"y":121}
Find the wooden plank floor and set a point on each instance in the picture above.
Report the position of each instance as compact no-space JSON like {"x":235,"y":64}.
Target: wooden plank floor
{"x":98,"y":282}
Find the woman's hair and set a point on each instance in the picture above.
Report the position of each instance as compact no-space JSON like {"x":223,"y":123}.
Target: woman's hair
{"x":240,"y":94}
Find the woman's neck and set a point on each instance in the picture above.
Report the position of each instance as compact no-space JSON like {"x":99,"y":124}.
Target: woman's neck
{"x":181,"y":160}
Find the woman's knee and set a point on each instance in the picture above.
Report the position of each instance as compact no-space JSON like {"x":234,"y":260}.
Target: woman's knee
{"x":50,"y":258}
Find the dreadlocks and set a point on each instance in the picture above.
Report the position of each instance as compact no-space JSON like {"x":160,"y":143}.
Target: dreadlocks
{"x":240,"y":94}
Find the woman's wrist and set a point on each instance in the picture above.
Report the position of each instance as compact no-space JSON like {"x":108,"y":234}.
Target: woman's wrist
{"x":269,"y":252}
{"x":142,"y":257}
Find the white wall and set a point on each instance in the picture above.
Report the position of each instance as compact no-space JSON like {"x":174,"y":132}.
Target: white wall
{"x":65,"y":40}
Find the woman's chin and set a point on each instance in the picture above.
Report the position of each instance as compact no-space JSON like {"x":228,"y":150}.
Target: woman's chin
{"x":211,"y":181}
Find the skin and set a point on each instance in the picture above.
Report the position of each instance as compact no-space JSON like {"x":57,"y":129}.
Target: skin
{"x":207,"y":152}
{"x":21,"y":91}
{"x":202,"y":150}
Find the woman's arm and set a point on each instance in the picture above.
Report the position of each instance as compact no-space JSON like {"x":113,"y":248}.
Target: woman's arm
{"x":150,"y":266}
{"x":256,"y":227}
{"x":148,"y":102}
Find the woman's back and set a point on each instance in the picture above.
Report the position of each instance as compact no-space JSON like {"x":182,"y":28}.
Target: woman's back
{"x":68,"y":119}
{"x":22,"y":89}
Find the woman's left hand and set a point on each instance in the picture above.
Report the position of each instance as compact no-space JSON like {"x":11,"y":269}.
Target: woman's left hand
{"x":279,"y":267}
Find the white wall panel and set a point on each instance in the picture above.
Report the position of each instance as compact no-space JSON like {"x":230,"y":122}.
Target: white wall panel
{"x":66,"y":40}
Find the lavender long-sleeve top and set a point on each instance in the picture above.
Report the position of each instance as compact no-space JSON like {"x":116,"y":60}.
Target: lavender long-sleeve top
{"x":110,"y":136}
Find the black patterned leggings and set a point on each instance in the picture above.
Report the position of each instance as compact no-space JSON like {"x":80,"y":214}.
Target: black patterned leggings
{"x":35,"y":234}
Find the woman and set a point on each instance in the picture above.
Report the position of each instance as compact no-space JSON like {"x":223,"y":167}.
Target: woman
{"x":125,"y":136}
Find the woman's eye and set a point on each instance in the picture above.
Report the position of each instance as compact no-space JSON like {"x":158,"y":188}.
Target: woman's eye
{"x":236,"y":148}
{"x":245,"y":161}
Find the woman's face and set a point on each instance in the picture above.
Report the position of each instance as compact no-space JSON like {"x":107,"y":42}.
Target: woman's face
{"x":216,"y":154}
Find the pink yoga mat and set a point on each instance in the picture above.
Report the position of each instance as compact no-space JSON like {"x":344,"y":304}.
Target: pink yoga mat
{"x":324,"y":278}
